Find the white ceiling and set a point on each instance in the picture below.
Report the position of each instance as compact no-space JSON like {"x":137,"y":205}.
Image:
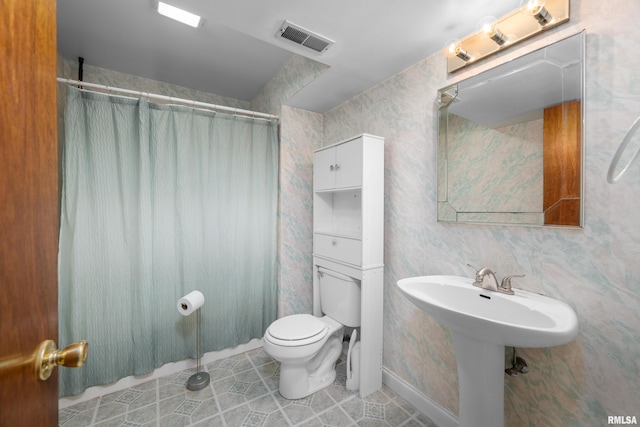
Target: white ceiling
{"x":235,"y":53}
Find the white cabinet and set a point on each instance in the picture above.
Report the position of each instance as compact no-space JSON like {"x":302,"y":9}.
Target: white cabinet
{"x":338,"y":166}
{"x":348,"y":201}
{"x":348,"y":230}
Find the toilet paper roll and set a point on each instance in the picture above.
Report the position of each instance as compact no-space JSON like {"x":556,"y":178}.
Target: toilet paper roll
{"x":190,"y":302}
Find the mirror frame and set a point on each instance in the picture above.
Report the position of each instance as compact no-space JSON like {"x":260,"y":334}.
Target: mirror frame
{"x":562,"y":205}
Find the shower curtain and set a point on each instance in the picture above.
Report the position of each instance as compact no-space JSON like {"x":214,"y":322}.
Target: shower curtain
{"x":159,"y":200}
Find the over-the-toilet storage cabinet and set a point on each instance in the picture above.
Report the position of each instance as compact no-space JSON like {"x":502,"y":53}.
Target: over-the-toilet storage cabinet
{"x":348,"y":231}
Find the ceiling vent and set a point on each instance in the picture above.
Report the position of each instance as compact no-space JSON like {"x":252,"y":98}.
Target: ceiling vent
{"x":304,"y":37}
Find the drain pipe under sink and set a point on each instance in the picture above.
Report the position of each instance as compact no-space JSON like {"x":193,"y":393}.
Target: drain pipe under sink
{"x":353,"y":363}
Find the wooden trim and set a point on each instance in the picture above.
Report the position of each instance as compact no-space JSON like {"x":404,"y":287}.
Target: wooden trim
{"x":562,"y":163}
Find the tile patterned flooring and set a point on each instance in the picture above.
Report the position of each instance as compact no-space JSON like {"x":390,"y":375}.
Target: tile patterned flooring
{"x":243,"y":392}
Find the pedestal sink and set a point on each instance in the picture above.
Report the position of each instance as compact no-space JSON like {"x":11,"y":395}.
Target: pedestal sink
{"x":482,"y":323}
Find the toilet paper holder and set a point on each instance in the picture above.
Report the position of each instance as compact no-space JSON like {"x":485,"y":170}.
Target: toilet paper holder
{"x":186,"y":306}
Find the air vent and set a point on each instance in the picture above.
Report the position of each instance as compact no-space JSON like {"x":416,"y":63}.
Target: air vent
{"x":304,"y":37}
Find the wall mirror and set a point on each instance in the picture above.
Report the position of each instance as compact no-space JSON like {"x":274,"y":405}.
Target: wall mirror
{"x":510,"y":141}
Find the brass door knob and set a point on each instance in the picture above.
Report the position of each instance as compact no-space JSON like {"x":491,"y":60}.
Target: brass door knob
{"x":48,"y":357}
{"x":44,"y":359}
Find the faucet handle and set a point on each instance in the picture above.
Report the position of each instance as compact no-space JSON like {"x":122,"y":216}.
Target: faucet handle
{"x":475,"y":268}
{"x":506,"y":282}
{"x":478,"y":281}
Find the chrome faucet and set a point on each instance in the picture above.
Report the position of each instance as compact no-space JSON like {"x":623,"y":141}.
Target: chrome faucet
{"x":486,"y":279}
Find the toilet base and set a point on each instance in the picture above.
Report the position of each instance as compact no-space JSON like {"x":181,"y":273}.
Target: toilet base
{"x":301,"y":380}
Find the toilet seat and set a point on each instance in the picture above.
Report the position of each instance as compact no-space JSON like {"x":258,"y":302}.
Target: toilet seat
{"x":296,"y":330}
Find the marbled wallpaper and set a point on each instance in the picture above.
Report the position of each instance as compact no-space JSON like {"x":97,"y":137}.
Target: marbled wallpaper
{"x":92,"y":74}
{"x":297,"y":73}
{"x":499,"y":172}
{"x":300,"y":134}
{"x":595,"y":269}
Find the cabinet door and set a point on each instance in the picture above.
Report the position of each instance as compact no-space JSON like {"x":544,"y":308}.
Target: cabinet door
{"x":324,"y":176}
{"x":348,"y":167}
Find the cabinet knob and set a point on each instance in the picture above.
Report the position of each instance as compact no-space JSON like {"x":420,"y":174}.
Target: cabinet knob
{"x":334,"y":242}
{"x":337,"y":166}
{"x":331,"y":168}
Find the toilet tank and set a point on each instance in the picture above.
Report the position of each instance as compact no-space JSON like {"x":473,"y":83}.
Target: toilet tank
{"x":340,"y":297}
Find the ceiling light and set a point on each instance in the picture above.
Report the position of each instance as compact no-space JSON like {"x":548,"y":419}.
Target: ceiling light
{"x":178,"y":14}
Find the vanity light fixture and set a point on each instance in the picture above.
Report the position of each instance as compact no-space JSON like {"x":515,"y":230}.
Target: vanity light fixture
{"x":539,"y":12}
{"x":461,"y":53}
{"x":457,"y":50}
{"x":496,"y":35}
{"x":493,"y":35}
{"x":178,"y":14}
{"x":489,"y":27}
{"x":452,"y":48}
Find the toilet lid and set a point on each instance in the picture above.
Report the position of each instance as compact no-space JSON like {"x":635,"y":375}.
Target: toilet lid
{"x":296,"y":327}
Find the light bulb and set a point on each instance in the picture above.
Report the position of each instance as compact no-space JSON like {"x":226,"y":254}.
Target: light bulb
{"x":536,"y":9}
{"x":453,"y":48}
{"x":448,"y":49}
{"x":488,"y":26}
{"x":461,"y":53}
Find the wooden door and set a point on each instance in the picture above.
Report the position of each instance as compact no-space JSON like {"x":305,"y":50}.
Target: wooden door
{"x":28,"y":206}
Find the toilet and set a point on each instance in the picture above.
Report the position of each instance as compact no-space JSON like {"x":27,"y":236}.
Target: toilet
{"x":307,"y":346}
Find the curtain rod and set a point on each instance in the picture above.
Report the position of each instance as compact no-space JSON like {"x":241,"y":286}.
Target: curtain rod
{"x":253,"y":114}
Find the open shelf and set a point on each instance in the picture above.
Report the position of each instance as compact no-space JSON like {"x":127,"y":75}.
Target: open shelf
{"x":339,"y":213}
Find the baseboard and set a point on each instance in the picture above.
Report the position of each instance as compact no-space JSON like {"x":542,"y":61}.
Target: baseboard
{"x":168,"y":369}
{"x":428,"y":407}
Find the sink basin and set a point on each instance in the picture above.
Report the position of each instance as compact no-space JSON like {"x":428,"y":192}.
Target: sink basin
{"x":482,"y":323}
{"x":521,"y":320}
